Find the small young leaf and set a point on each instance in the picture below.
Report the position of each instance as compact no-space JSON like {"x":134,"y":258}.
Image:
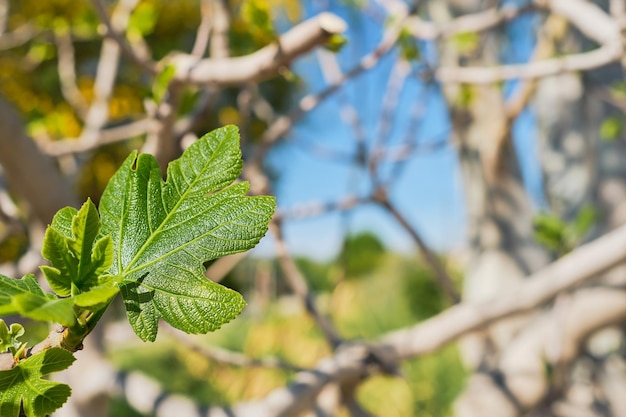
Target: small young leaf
{"x":163,"y":233}
{"x":143,"y":20}
{"x":23,"y":385}
{"x":97,"y":296}
{"x":585,"y":219}
{"x":62,"y":221}
{"x":336,"y":42}
{"x":70,"y":244}
{"x":11,"y":287}
{"x":611,"y":128}
{"x":162,"y":81}
{"x":25,"y":297}
{"x":9,"y":336}
{"x":85,"y":229}
{"x":257,"y":15}
{"x":63,"y":268}
{"x":409,"y":48}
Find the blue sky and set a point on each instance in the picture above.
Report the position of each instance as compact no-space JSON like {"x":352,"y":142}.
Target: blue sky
{"x":428,"y":190}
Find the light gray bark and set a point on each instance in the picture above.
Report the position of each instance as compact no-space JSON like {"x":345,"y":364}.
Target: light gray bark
{"x":499,"y":214}
{"x":578,"y":169}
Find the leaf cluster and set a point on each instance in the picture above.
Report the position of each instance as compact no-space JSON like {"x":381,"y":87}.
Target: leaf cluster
{"x":149,"y":240}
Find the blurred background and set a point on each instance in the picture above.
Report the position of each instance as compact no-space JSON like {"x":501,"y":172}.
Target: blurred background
{"x":429,"y":159}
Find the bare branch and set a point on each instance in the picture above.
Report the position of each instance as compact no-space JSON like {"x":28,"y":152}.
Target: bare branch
{"x":538,"y":69}
{"x":98,"y":113}
{"x":224,"y":356}
{"x":104,"y":136}
{"x":17,"y":37}
{"x":283,"y":124}
{"x":221,"y":25}
{"x":67,"y":73}
{"x":115,"y":32}
{"x":476,"y":22}
{"x":442,"y":277}
{"x":204,"y":30}
{"x":522,"y":364}
{"x":262,"y":64}
{"x":4,"y":15}
{"x":299,"y":286}
{"x":583,"y":263}
{"x":586,"y":16}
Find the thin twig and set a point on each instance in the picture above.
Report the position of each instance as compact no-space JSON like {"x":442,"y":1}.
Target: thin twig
{"x":219,"y":46}
{"x":399,"y":74}
{"x":283,"y":124}
{"x":67,"y":73}
{"x":115,"y":33}
{"x":105,"y":136}
{"x":331,"y":70}
{"x":98,"y":113}
{"x":590,"y":19}
{"x":225,"y":356}
{"x":17,"y":37}
{"x":204,"y":30}
{"x":443,"y":279}
{"x":299,"y":286}
{"x":317,"y":208}
{"x":309,"y":102}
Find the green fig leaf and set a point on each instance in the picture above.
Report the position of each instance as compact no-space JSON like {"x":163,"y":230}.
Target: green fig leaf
{"x":23,"y":385}
{"x":163,"y":233}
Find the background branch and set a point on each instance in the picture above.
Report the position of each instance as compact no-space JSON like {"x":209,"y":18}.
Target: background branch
{"x":263,"y":63}
{"x":583,"y":263}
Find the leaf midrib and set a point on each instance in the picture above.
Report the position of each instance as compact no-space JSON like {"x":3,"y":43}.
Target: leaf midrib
{"x":128,"y":270}
{"x":192,"y":241}
{"x":177,"y":295}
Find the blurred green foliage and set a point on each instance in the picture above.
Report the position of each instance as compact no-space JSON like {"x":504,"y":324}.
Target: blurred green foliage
{"x":560,"y":236}
{"x":29,"y":73}
{"x":13,"y":244}
{"x":390,"y":294}
{"x":361,"y":253}
{"x":409,"y":47}
{"x":336,"y":43}
{"x":611,"y":128}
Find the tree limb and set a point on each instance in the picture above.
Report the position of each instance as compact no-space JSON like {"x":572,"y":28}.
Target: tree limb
{"x":586,"y":16}
{"x":522,"y":365}
{"x":262,"y":64}
{"x":583,"y":263}
{"x":114,"y":32}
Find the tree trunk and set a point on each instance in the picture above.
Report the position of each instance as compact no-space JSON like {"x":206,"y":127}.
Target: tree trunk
{"x":29,"y":172}
{"x":498,"y":211}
